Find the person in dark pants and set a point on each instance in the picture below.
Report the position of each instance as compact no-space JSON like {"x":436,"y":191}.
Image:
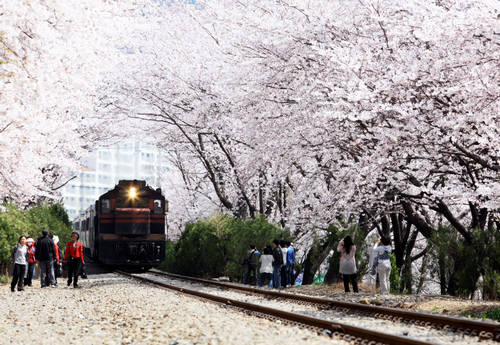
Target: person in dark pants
{"x":30,"y":243}
{"x":20,"y":256}
{"x":277,"y":263}
{"x":290,"y":262}
{"x":266,"y":266}
{"x":45,"y":255}
{"x":252,"y":261}
{"x":73,"y":256}
{"x":284,"y":249}
{"x":347,"y":267}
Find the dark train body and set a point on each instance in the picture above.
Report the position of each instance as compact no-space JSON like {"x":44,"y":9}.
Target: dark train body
{"x":126,"y":226}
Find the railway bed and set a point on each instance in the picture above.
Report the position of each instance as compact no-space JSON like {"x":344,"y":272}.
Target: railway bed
{"x":325,"y":321}
{"x":482,"y":329}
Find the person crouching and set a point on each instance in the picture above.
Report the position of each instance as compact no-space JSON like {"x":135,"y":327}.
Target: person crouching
{"x":73,"y":256}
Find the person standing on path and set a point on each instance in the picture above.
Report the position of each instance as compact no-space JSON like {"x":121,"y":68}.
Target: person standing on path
{"x":20,"y":256}
{"x":266,"y":266}
{"x":348,"y":268}
{"x":252,"y":261}
{"x":28,"y":280}
{"x":73,"y":255}
{"x":383,"y":261}
{"x":277,"y":263}
{"x":284,"y":249}
{"x":290,"y":262}
{"x":45,"y":255}
{"x":57,"y":260}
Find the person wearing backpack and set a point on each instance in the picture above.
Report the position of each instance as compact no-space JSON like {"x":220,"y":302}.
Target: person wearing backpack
{"x":251,"y":261}
{"x":277,"y":264}
{"x":383,"y":264}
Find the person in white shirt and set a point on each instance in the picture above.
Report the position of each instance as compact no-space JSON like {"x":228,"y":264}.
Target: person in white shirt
{"x":266,"y":267}
{"x":347,"y":267}
{"x":284,"y":250}
{"x":372,"y":272}
{"x":383,"y":262}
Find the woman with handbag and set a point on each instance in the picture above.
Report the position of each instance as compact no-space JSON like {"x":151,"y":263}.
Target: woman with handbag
{"x":73,"y":256}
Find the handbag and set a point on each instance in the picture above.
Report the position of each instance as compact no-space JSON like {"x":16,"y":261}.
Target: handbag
{"x":58,"y":270}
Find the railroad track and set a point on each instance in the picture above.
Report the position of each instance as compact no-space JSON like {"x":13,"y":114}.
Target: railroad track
{"x":357,"y":335}
{"x":483,"y":329}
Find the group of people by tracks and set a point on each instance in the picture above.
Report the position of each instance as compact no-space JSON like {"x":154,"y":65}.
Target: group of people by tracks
{"x":46,"y":255}
{"x":277,"y":265}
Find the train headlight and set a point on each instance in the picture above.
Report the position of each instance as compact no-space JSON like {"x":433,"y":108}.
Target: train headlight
{"x":132,"y":193}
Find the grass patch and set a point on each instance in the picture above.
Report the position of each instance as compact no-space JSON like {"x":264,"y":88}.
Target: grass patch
{"x":492,"y":314}
{"x":4,"y":279}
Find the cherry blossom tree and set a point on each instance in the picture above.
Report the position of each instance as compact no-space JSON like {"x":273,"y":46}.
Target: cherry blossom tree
{"x":51,"y":56}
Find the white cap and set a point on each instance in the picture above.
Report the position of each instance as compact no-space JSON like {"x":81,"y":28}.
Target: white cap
{"x":55,"y":239}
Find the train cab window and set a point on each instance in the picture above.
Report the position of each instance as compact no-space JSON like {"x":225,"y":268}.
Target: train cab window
{"x":105,"y":206}
{"x":158,"y":209}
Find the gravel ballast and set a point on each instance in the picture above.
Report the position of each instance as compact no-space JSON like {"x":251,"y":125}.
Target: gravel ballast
{"x":422,"y":333}
{"x":110,"y":309}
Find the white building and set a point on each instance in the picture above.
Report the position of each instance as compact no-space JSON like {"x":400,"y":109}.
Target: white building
{"x":103,"y":170}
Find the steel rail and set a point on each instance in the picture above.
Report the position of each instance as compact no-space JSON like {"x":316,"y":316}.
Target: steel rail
{"x":356,"y":332}
{"x":482,"y":327}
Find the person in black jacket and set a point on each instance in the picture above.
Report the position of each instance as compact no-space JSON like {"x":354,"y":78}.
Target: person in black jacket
{"x":45,"y":254}
{"x":277,"y":263}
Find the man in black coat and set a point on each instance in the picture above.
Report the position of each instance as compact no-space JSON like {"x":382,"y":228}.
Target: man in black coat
{"x":45,"y":254}
{"x":277,"y":263}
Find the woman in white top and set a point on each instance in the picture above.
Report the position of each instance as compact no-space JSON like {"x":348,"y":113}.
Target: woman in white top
{"x":348,"y":268}
{"x":383,"y":262}
{"x":266,"y":266}
{"x":20,"y":256}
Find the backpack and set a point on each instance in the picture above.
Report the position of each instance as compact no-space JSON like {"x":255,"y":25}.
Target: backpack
{"x":248,"y":260}
{"x":278,"y":257}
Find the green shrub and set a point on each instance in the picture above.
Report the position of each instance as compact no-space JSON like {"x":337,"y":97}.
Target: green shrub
{"x":218,"y":246}
{"x":169,"y":263}
{"x":199,"y":252}
{"x":394,"y":277}
{"x":15,"y":222}
{"x":493,"y":314}
{"x":459,"y":264}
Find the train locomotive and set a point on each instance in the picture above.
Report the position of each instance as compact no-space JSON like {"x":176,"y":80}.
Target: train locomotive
{"x":125,"y":227}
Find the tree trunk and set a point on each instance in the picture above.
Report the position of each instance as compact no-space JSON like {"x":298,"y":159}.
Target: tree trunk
{"x":316,"y":255}
{"x":442,"y":273}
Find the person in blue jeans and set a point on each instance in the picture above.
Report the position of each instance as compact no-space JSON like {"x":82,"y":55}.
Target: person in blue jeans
{"x":277,"y":263}
{"x":290,"y":262}
{"x":45,"y":255}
